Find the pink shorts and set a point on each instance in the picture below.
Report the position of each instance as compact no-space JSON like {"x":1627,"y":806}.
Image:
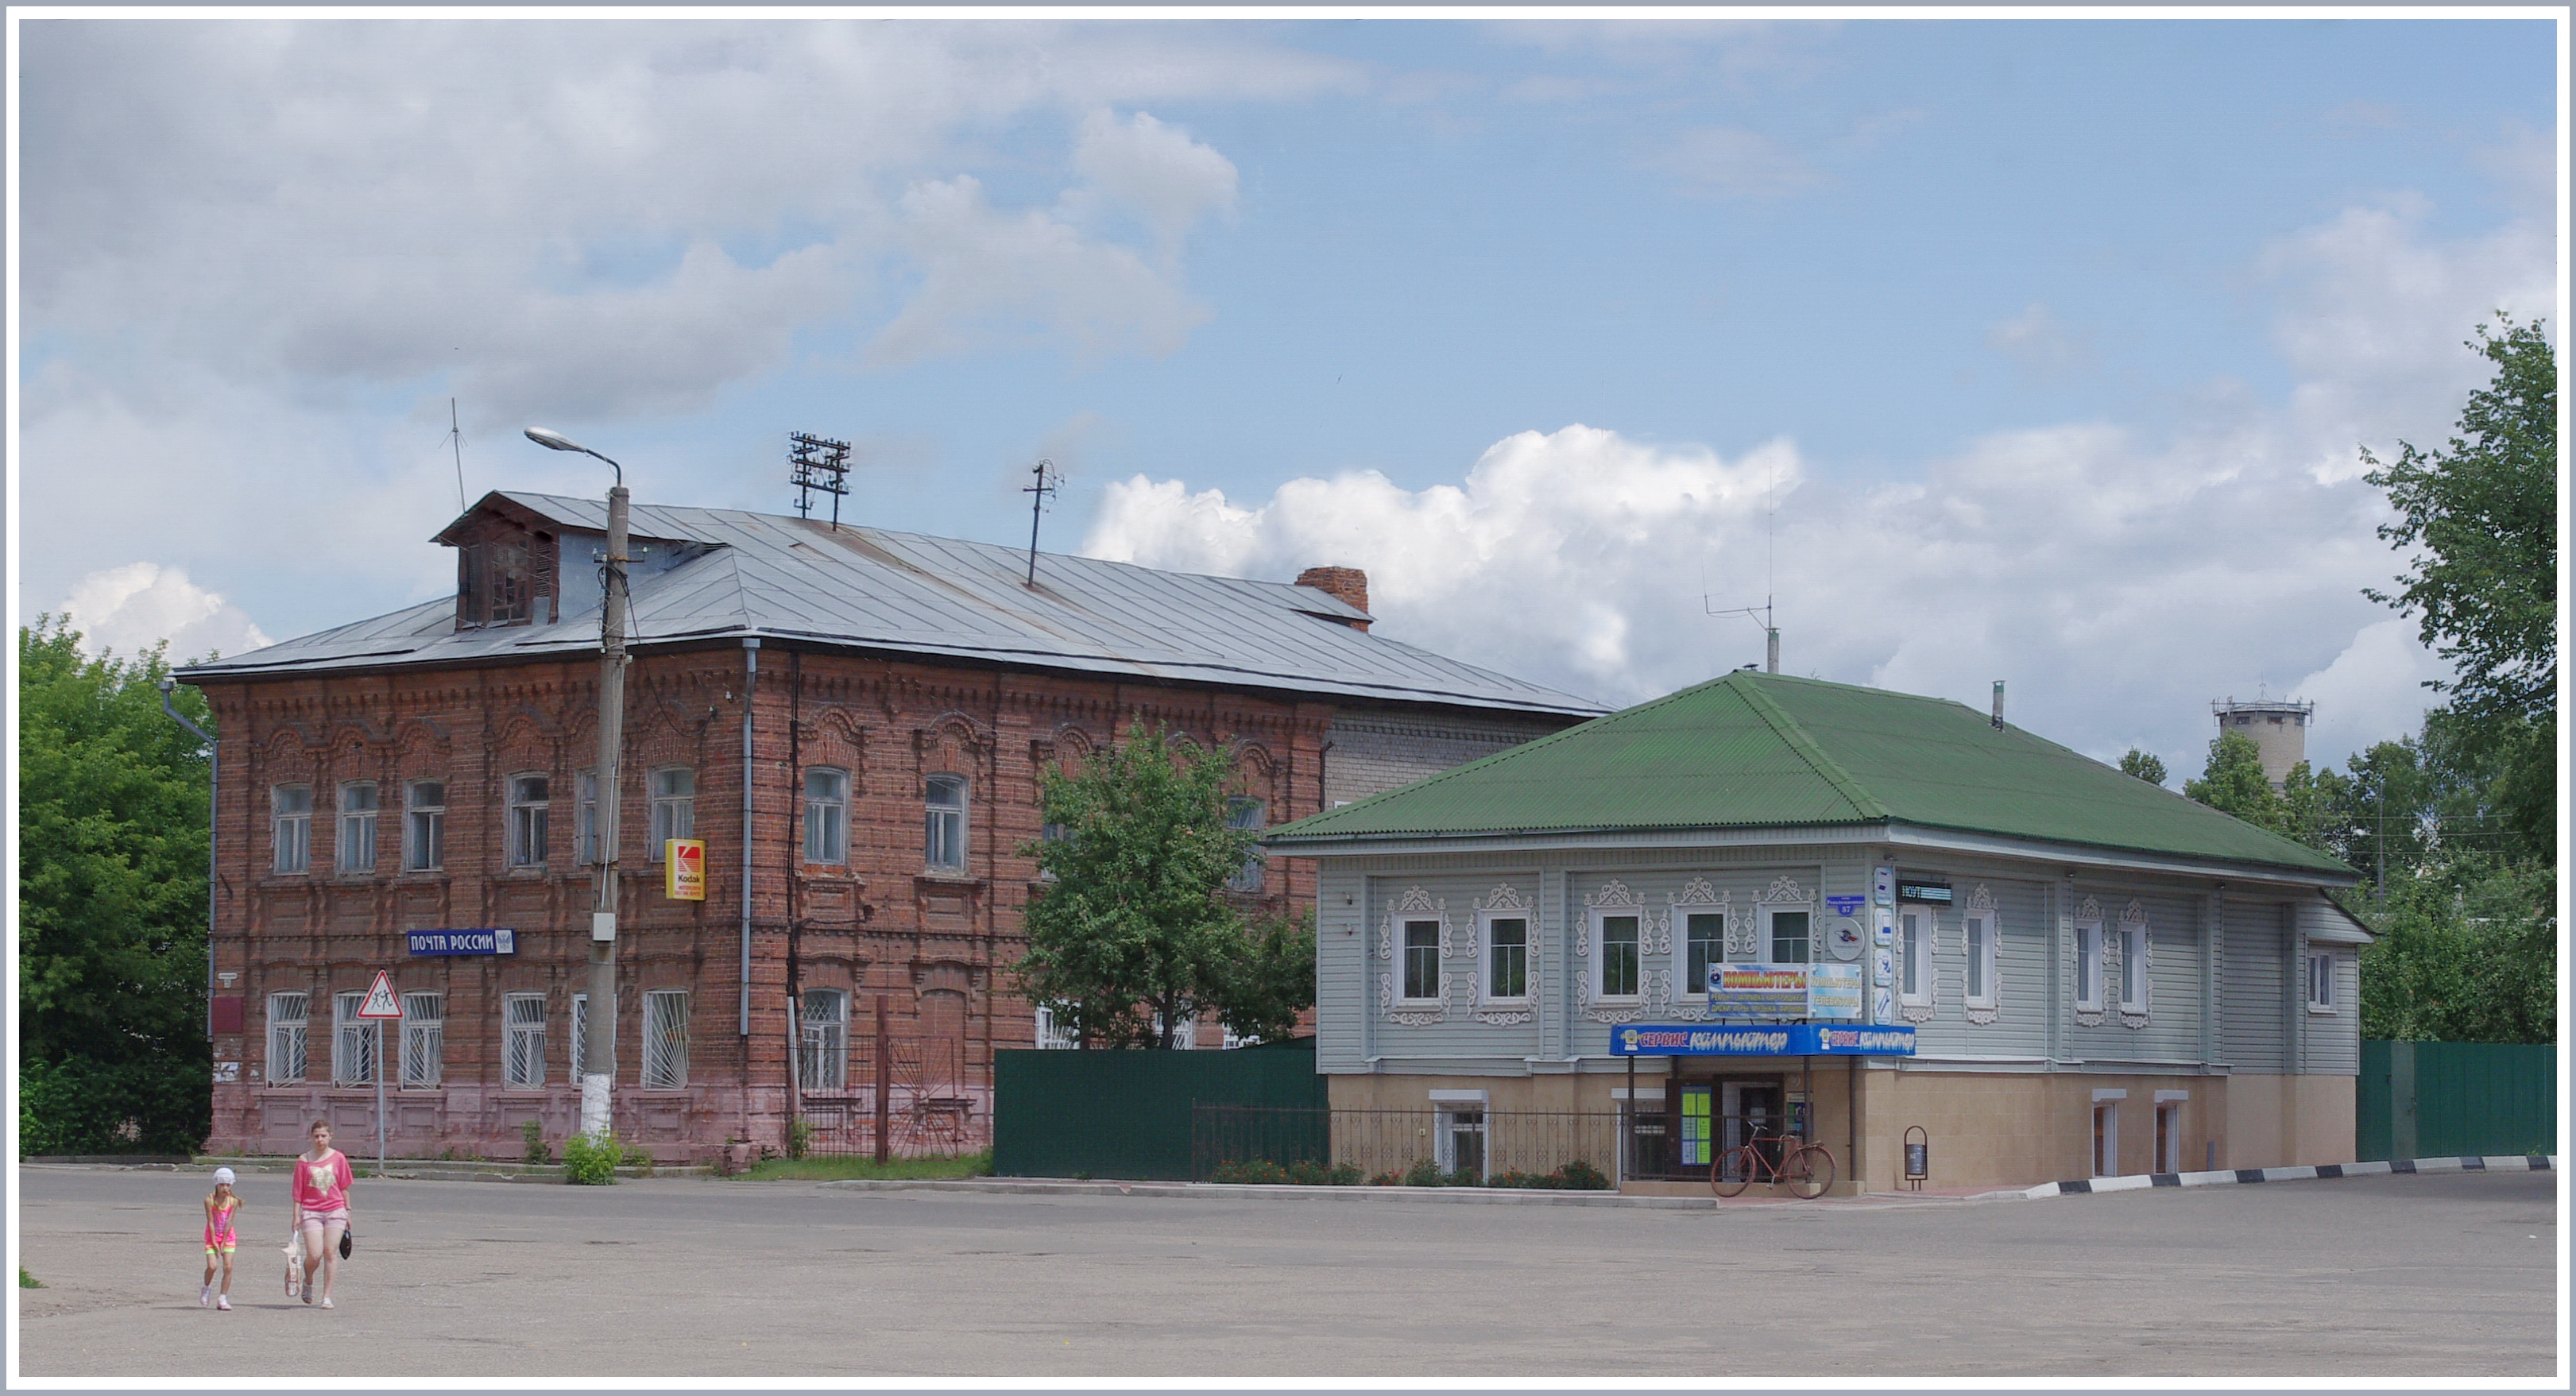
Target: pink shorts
{"x":336,"y":1214}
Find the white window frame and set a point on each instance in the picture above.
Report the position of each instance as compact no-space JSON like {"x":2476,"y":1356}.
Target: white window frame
{"x":823,"y":1041}
{"x":1052,"y":1038}
{"x":579,"y":1024}
{"x":585,"y":817}
{"x":1771,"y":915}
{"x":2168,"y":1118}
{"x":944,"y":824}
{"x":1600,"y":924}
{"x":666,"y":1040}
{"x":2106,"y":1133}
{"x":354,"y":1039}
{"x":2088,"y":966}
{"x":290,"y":811}
{"x":424,"y":1037}
{"x":424,"y":826}
{"x":1247,"y":812}
{"x":675,"y":810}
{"x":1404,"y":959}
{"x":827,"y":816}
{"x":1717,"y":947}
{"x":2137,"y":964}
{"x":1980,"y":939}
{"x":1917,"y":947}
{"x":289,"y":1019}
{"x":523,"y":1041}
{"x":2321,"y":980}
{"x":1450,"y":1112}
{"x":1485,"y":948}
{"x":353,"y":843}
{"x":527,"y":831}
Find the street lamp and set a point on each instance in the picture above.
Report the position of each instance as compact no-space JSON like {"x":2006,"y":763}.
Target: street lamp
{"x":598,"y":1065}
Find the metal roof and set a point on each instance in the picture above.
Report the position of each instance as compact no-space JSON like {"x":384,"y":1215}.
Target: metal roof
{"x":776,"y":577}
{"x":1753,"y":750}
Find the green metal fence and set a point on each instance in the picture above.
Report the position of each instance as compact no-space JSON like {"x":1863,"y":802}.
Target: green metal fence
{"x":2441,"y":1099}
{"x":1126,"y":1114}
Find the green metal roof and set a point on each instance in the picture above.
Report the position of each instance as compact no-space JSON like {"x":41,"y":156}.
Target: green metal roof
{"x":1752,"y":750}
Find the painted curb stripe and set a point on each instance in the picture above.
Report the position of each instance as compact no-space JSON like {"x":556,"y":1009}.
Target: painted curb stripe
{"x":2467,"y":1163}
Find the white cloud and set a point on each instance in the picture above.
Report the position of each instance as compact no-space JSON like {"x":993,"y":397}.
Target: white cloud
{"x":1731,"y":161}
{"x":2036,"y":340}
{"x":130,"y":609}
{"x":2373,"y":691}
{"x":1170,"y":181}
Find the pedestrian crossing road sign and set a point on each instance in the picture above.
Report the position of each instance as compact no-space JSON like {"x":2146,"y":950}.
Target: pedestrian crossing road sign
{"x":380,"y":999}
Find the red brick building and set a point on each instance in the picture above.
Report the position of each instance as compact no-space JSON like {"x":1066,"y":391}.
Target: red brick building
{"x":892,"y":700}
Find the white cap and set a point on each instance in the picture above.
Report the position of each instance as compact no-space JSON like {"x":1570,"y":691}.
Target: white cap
{"x":223,"y":1175}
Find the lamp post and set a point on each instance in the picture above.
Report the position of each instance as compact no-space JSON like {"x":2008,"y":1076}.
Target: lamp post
{"x":599,"y":1034}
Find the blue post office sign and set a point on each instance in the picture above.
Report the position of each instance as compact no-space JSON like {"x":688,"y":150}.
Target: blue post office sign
{"x":1775,"y":1040}
{"x":477,"y":942}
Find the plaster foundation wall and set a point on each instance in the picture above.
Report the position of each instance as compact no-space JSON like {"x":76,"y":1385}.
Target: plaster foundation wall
{"x":2278,"y":1120}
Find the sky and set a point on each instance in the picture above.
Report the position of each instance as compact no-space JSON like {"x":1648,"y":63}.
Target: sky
{"x":2036,"y":350}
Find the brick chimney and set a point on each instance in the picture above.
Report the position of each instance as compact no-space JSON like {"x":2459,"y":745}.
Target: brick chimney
{"x":1348,"y":585}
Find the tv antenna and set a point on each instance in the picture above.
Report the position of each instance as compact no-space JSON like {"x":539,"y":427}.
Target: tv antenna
{"x":818,"y":463}
{"x":1759,"y":615}
{"x":456,"y":439}
{"x":1049,"y":480}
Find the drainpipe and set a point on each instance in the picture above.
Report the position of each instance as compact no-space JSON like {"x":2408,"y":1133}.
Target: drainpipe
{"x":213,"y":778}
{"x":750,"y":681}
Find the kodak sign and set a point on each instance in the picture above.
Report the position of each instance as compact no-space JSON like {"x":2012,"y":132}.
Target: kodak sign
{"x":684,"y":869}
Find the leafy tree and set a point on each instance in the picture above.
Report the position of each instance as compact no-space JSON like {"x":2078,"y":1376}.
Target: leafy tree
{"x":2466,"y":952}
{"x":112,"y":840}
{"x":1132,"y":934}
{"x":2143,"y":765}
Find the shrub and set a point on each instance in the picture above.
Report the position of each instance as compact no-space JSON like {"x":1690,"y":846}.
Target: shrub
{"x":533,"y":1137}
{"x":1583,"y":1176}
{"x":1386,"y":1180}
{"x":152,"y":1105}
{"x":1424,"y":1174}
{"x":1260,"y":1170}
{"x":1466,"y":1178}
{"x":1518,"y":1179}
{"x":591,"y":1158}
{"x":799,"y":1134}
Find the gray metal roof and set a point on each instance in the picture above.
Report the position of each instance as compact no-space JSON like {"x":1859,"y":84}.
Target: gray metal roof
{"x":777,"y":577}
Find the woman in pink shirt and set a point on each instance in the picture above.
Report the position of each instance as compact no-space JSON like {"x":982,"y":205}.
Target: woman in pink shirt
{"x":322,"y":1178}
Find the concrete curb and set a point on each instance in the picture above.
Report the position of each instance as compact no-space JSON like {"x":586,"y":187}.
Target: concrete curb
{"x":2466,"y":1163}
{"x":443,"y":1170}
{"x":1526,"y":1197}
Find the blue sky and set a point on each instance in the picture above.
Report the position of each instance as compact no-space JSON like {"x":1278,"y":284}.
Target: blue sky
{"x":2026,"y":349}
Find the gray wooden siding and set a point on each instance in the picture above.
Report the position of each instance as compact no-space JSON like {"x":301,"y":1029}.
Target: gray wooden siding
{"x":2333,"y":1046}
{"x":1340,"y":969}
{"x":2020,"y":1028}
{"x":2172,"y":1029}
{"x":1456,"y":1032}
{"x":2252,"y":992}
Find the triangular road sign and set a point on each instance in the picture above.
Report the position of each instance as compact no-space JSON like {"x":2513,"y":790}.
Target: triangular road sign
{"x":380,"y":998}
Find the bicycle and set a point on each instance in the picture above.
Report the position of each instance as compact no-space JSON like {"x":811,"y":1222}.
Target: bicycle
{"x":1806,"y":1169}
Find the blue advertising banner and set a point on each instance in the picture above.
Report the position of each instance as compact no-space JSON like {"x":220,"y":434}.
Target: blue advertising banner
{"x":1779,"y":1040}
{"x":479,"y":942}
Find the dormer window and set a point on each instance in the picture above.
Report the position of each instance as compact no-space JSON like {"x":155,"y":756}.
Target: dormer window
{"x":495,"y":583}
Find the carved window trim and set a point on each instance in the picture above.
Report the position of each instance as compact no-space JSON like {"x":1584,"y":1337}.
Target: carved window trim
{"x":1987,"y":1007}
{"x":1505,"y":903}
{"x":1785,"y":895}
{"x":2090,"y":937}
{"x":1920,"y":1005}
{"x":1417,"y":904}
{"x":2136,"y":940}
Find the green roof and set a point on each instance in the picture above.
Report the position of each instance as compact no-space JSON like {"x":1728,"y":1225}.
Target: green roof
{"x":1752,"y":750}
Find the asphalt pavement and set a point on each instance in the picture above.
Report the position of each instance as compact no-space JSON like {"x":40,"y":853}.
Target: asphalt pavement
{"x":2438,"y":1276}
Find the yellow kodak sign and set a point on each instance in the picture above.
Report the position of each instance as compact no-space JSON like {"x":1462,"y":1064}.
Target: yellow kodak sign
{"x":684,"y":869}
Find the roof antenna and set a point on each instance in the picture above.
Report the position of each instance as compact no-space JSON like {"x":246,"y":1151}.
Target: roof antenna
{"x":1048,"y":480}
{"x":820,"y":463}
{"x":456,"y":439}
{"x":1770,"y":630}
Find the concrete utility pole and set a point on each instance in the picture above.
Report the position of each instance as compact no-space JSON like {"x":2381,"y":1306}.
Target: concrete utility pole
{"x":599,"y":1032}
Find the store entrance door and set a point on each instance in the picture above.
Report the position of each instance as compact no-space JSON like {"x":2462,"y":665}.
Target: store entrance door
{"x":1752,"y":1110}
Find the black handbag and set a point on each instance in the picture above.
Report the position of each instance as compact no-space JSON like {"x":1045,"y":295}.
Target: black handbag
{"x":348,"y":1240}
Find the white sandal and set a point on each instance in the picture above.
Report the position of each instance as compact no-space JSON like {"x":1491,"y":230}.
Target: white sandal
{"x":326,"y":1301}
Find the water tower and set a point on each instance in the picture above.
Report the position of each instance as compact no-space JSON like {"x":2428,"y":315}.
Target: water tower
{"x":2279,"y":731}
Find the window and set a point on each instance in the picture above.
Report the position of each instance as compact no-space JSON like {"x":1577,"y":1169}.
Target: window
{"x":1791,"y":935}
{"x":528,"y":821}
{"x":1460,"y":1145}
{"x":1053,"y":1036}
{"x":1619,"y":954}
{"x":943,"y":823}
{"x":585,"y":816}
{"x":666,"y":1040}
{"x":354,"y":1042}
{"x":357,"y":839}
{"x":1979,"y":937}
{"x":1914,"y":935}
{"x":291,"y":810}
{"x":425,"y":825}
{"x":523,"y":1041}
{"x":1242,"y":812}
{"x":1506,"y":960}
{"x":823,"y":1040}
{"x":2133,"y":967}
{"x":675,"y":806}
{"x":2088,"y":966}
{"x":1703,"y":945}
{"x":827,"y":811}
{"x":1422,"y":961}
{"x":424,"y":1037}
{"x":2321,"y":996}
{"x":286,"y":1018}
{"x":580,"y":1035}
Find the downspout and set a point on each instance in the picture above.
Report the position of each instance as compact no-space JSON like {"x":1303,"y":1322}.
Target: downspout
{"x":214,"y":777}
{"x":750,"y":683}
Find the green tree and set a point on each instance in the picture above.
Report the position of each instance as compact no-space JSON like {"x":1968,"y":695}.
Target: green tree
{"x":1132,"y":933}
{"x":112,"y":840}
{"x":2143,"y":765}
{"x":2466,"y":951}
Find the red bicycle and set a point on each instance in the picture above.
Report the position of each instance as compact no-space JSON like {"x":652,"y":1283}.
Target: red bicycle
{"x":1804,"y":1169}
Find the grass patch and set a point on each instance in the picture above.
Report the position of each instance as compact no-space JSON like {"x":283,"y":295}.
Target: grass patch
{"x":27,"y":1281}
{"x":975,"y":1165}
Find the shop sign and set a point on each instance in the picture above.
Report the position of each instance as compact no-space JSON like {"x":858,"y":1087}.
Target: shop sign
{"x":1758,"y":991}
{"x":1834,"y":991}
{"x":482,"y":942}
{"x":1782,"y":1040}
{"x":684,"y":869}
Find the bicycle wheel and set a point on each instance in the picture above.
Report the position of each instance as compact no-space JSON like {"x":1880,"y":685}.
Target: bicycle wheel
{"x":1810,"y":1171}
{"x":1724,"y":1186}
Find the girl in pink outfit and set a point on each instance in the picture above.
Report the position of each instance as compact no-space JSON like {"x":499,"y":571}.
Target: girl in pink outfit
{"x":220,"y":1240}
{"x":322,"y":1178}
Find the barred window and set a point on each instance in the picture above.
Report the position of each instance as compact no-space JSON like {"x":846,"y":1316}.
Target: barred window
{"x":291,"y":811}
{"x":523,"y":1040}
{"x":286,"y":1022}
{"x":823,"y":1039}
{"x":424,"y":1037}
{"x":580,"y":1036}
{"x":354,"y":1042}
{"x":357,"y":841}
{"x":666,"y":1040}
